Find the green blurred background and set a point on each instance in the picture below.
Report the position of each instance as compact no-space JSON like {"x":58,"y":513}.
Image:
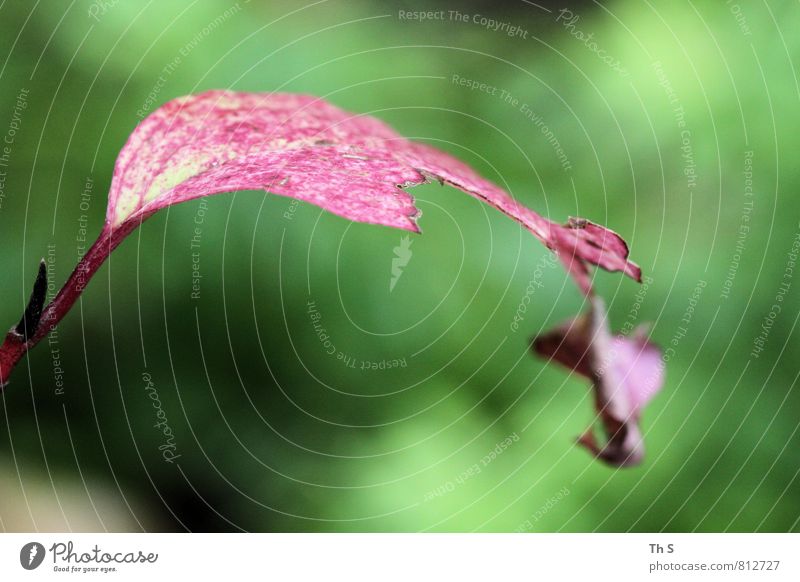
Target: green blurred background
{"x":276,"y":434}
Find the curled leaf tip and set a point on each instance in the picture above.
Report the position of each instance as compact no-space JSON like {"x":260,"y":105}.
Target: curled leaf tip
{"x":625,"y":372}
{"x":580,"y":243}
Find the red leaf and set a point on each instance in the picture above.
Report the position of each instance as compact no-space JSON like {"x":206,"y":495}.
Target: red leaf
{"x":356,"y":167}
{"x":303,"y":147}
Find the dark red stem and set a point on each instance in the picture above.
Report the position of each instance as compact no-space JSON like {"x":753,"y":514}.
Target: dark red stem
{"x":16,"y":345}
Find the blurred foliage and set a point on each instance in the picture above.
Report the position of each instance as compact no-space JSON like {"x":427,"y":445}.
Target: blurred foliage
{"x":274,"y":433}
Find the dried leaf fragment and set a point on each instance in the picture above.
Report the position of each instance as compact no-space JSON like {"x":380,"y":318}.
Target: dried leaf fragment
{"x":626,"y":372}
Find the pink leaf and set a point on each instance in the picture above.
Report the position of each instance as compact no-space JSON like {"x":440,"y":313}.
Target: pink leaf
{"x":356,"y":167}
{"x":625,"y":373}
{"x":303,"y":147}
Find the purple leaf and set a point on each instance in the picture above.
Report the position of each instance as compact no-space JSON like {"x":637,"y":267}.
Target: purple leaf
{"x":303,"y":147}
{"x":626,"y":372}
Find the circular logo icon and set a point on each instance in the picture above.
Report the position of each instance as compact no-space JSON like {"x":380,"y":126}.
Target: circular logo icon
{"x":31,"y":555}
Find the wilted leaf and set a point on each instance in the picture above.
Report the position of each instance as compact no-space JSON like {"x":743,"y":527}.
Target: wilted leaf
{"x":303,"y":147}
{"x":626,"y":372}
